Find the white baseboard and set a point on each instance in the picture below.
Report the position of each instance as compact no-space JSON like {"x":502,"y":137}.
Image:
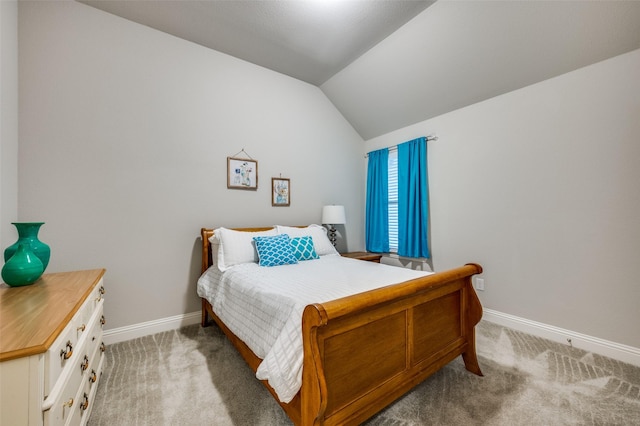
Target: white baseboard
{"x":603,"y":347}
{"x":142,"y":329}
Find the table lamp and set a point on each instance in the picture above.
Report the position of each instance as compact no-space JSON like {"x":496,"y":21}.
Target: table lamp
{"x":333,"y":215}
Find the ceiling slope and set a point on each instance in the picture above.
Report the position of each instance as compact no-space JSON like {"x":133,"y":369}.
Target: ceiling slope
{"x":457,"y":53}
{"x":309,"y":40}
{"x":390,"y":64}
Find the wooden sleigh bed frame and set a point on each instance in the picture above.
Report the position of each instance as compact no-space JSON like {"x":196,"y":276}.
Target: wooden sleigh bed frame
{"x":364,"y":351}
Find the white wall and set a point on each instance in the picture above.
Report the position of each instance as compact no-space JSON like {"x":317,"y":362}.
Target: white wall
{"x":540,"y":186}
{"x":8,"y":121}
{"x":124,"y":135}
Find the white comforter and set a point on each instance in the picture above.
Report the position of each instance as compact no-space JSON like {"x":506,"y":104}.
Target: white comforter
{"x":263,"y":306}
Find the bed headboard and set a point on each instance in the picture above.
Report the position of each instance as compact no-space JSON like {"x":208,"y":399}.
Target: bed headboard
{"x":207,"y":233}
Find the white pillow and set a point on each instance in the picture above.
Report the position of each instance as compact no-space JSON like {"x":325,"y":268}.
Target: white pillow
{"x":215,"y":249}
{"x":237,"y":247}
{"x":318,"y":233}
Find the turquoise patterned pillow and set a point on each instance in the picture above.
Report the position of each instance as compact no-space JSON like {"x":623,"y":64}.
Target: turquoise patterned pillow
{"x":303,"y":248}
{"x":275,"y":250}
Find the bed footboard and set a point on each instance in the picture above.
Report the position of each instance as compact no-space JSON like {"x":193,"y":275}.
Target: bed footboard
{"x":364,"y":351}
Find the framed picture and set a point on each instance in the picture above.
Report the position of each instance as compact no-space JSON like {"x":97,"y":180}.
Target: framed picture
{"x":280,"y":192}
{"x":242,"y":173}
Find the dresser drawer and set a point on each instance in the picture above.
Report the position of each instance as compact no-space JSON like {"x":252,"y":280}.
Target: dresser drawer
{"x":95,"y":370}
{"x":93,"y":335}
{"x":66,"y":404}
{"x":66,"y":346}
{"x":62,"y":353}
{"x":68,"y":393}
{"x":92,"y":302}
{"x":90,"y":386}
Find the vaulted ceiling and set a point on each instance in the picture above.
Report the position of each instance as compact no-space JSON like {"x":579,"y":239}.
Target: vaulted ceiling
{"x":389,"y":64}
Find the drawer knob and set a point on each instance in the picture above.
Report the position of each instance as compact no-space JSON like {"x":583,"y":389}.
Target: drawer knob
{"x":85,"y":363}
{"x":103,"y":321}
{"x":67,"y":351}
{"x":69,"y":403}
{"x":102,"y":290}
{"x":85,"y":402}
{"x":102,"y":347}
{"x":82,"y":327}
{"x":93,"y":376}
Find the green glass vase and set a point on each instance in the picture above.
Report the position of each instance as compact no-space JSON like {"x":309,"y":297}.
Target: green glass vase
{"x":28,"y":233}
{"x":23,"y":268}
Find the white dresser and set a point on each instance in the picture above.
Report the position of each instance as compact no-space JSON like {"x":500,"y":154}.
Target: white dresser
{"x":51,"y":349}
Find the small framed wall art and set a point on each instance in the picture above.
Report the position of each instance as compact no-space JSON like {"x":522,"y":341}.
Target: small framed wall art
{"x":242,"y":173}
{"x":280,"y":192}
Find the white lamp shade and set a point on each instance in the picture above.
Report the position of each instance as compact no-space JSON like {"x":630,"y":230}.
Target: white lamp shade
{"x":333,"y":215}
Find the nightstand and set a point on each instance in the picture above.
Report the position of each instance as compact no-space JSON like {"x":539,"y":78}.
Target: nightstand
{"x":363,"y":255}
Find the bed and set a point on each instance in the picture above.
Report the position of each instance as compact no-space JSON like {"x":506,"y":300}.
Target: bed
{"x":361,"y":352}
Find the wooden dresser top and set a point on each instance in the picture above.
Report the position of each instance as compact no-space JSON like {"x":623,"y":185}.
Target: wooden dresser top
{"x":33,"y":316}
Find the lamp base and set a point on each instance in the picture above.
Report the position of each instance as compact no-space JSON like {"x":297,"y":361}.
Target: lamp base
{"x":332,"y":235}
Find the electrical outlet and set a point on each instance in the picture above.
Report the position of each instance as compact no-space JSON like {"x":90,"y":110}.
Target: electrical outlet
{"x":480,"y":284}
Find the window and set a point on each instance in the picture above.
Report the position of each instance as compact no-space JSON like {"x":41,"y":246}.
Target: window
{"x":393,"y":200}
{"x":397,"y":204}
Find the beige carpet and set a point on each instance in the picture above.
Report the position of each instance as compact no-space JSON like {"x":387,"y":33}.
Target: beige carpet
{"x":193,"y":376}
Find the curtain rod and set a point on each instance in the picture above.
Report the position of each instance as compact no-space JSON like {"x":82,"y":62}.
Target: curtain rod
{"x":428,"y":138}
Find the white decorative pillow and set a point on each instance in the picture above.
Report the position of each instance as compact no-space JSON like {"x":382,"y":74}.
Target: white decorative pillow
{"x":237,"y":247}
{"x":318,"y":234}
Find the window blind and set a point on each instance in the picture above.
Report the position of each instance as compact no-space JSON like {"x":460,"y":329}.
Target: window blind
{"x":393,"y":200}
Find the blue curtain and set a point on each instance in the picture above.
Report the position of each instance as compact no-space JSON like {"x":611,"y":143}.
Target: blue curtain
{"x":377,"y":207}
{"x":413,"y":199}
